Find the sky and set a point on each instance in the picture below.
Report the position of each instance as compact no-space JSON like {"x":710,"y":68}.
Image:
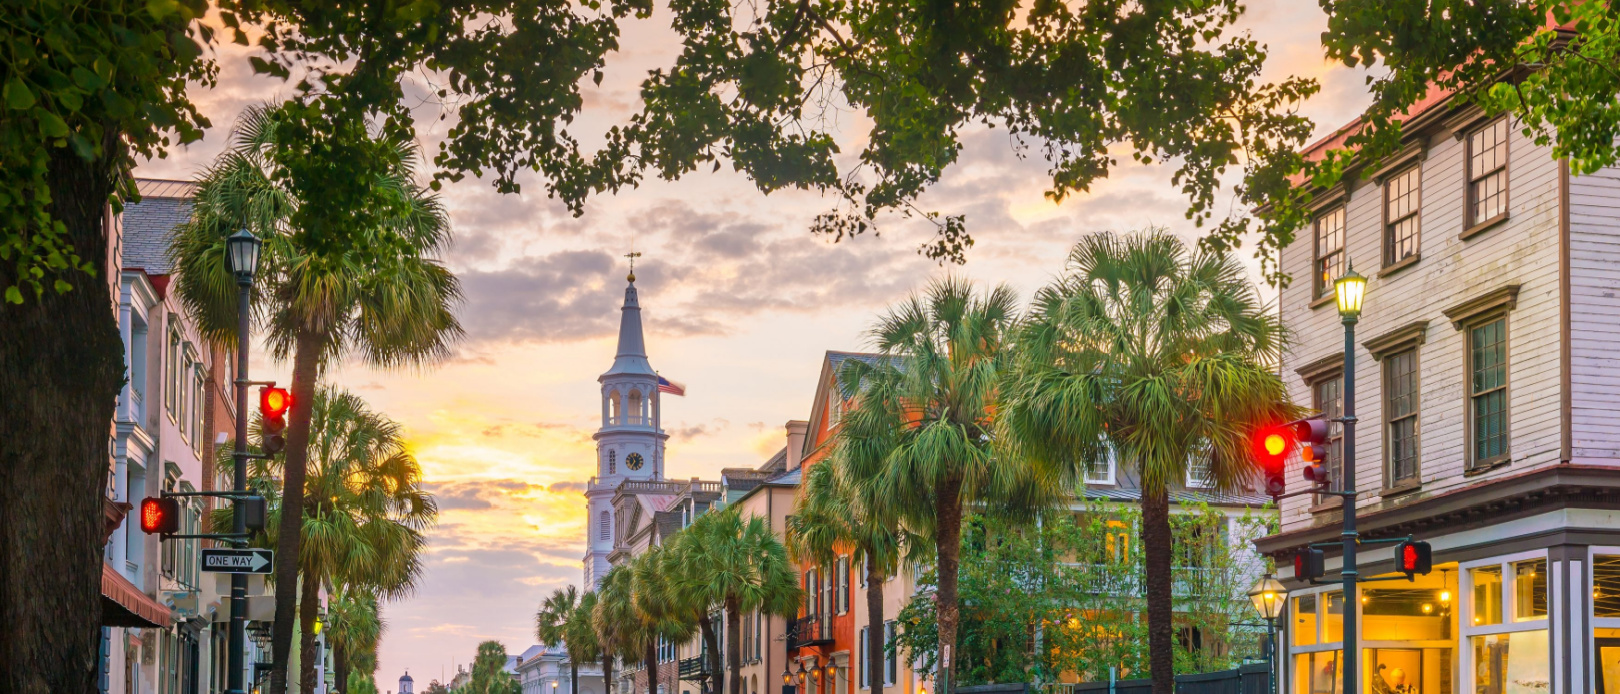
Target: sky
{"x":740,"y":303}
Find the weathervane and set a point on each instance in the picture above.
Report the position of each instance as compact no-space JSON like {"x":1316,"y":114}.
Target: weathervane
{"x":632,"y":255}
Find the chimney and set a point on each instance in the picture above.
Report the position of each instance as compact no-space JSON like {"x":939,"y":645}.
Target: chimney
{"x":796,"y":431}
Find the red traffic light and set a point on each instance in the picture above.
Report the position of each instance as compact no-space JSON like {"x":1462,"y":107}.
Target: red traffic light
{"x":1272,"y":445}
{"x":160,"y":516}
{"x":1413,"y":557}
{"x":274,"y":402}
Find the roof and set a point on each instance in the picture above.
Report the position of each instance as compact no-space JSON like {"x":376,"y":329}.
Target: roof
{"x":1194,"y":496}
{"x":835,"y":361}
{"x":791,"y":478}
{"x":407,"y":677}
{"x":631,"y":357}
{"x":149,"y":224}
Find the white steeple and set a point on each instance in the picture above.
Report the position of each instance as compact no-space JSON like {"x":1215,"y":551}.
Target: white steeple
{"x":630,"y":442}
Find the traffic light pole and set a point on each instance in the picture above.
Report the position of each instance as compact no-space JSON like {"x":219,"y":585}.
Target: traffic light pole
{"x":1347,"y":503}
{"x":238,"y":635}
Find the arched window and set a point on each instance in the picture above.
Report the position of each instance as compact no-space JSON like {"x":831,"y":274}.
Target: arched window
{"x":635,"y":407}
{"x":607,"y":526}
{"x":613,"y":461}
{"x":613,"y":408}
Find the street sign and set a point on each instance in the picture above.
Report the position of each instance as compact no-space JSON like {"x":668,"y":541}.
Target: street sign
{"x":238,"y":561}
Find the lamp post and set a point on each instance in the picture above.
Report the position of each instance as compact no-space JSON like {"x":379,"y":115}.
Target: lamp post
{"x":1350,"y":290}
{"x":242,"y":255}
{"x":1269,"y":597}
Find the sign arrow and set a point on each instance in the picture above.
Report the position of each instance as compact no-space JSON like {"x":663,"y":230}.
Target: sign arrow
{"x":238,"y":561}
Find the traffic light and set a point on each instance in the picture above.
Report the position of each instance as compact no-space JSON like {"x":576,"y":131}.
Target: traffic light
{"x":1413,"y":558}
{"x":1313,"y":450}
{"x":1308,"y":564}
{"x":273,"y":406}
{"x":253,"y":511}
{"x":1271,"y":447}
{"x":160,"y":515}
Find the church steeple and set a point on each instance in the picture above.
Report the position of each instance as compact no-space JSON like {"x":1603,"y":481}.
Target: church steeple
{"x":631,"y":357}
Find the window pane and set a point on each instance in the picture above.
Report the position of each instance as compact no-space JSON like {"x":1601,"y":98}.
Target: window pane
{"x":1328,"y":399}
{"x":1400,"y":387}
{"x":1317,"y":673}
{"x":1511,"y":663}
{"x":1329,"y":249}
{"x":1305,"y":620}
{"x":1333,"y":618}
{"x":1401,"y":204}
{"x":1488,"y":393}
{"x":1487,"y":594}
{"x":1529,"y":590}
{"x":1606,"y":586}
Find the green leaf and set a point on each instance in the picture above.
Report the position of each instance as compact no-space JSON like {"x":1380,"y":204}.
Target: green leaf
{"x":13,"y":295}
{"x":51,"y":124}
{"x":18,"y":96}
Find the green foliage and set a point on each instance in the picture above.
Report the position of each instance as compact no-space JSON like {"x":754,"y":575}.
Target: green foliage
{"x":1065,"y":597}
{"x":763,"y":84}
{"x":489,"y":675}
{"x":361,"y":683}
{"x":101,"y":81}
{"x":354,"y":627}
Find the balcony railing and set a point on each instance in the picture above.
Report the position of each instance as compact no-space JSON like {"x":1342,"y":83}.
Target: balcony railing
{"x":695,"y":668}
{"x":809,"y":631}
{"x":1186,"y":581}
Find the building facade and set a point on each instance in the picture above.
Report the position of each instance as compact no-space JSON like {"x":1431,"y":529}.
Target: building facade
{"x":1484,"y":392}
{"x":547,"y":669}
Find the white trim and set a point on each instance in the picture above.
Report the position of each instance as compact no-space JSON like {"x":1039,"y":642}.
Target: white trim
{"x":1113,"y":467}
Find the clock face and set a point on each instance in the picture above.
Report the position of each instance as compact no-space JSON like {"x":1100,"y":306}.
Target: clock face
{"x":633,"y":460}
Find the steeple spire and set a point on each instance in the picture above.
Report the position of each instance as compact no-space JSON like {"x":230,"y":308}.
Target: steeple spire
{"x":631,"y":357}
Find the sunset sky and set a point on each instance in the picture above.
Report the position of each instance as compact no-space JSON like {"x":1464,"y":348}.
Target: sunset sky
{"x":740,"y":302}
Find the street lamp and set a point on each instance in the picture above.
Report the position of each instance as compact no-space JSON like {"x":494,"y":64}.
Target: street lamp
{"x":1350,"y":290}
{"x":1269,"y":596}
{"x":787,"y":676}
{"x":242,"y":255}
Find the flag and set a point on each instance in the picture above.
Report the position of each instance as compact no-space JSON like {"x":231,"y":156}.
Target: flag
{"x":667,"y":386}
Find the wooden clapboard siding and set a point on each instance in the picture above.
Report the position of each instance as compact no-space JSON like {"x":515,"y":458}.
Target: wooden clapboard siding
{"x":1522,"y":250}
{"x":1594,"y":229}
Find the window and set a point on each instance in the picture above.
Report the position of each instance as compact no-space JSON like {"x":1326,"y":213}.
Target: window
{"x":613,"y":461}
{"x":200,"y":388}
{"x":1487,"y":393}
{"x":1101,"y":471}
{"x":607,"y":526}
{"x":759,"y":639}
{"x":1199,"y":472}
{"x":1506,"y":631}
{"x":1487,"y":173}
{"x":1402,"y":201}
{"x":1118,"y":541}
{"x":171,"y":383}
{"x":812,"y":594}
{"x":860,"y":657}
{"x":891,"y":662}
{"x":1329,"y":233}
{"x":1401,"y":418}
{"x":1328,"y":398}
{"x":842,"y":589}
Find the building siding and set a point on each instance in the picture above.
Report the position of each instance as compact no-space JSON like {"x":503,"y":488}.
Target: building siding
{"x":1594,"y":240}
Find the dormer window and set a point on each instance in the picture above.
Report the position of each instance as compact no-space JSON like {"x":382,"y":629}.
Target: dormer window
{"x":1101,"y":471}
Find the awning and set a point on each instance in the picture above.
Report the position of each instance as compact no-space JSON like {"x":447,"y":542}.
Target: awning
{"x":124,"y":605}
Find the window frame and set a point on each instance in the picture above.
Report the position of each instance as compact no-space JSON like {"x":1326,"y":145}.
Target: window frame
{"x":891,"y":661}
{"x":1321,"y":288}
{"x":1471,"y":225}
{"x":1466,"y":630}
{"x":1391,"y":483}
{"x":841,"y":591}
{"x":864,"y":677}
{"x":1472,"y":464}
{"x":1112,"y":478}
{"x":1415,"y":171}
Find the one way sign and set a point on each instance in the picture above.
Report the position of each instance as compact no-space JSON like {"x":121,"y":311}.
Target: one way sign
{"x":238,"y":561}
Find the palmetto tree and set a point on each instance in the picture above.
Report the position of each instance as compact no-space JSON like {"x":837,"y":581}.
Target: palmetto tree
{"x":689,"y":595}
{"x":564,"y":618}
{"x":738,"y":564}
{"x":927,"y":404}
{"x":354,"y":627}
{"x":1161,"y":352}
{"x":369,"y":286}
{"x":364,"y":509}
{"x":834,"y":513}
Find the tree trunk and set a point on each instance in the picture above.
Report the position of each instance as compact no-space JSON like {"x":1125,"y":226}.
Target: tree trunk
{"x":309,"y":605}
{"x":1156,"y":550}
{"x":306,"y":366}
{"x":712,"y":653}
{"x":733,"y":645}
{"x":340,"y":669}
{"x":573,"y":675}
{"x":874,"y":628}
{"x":651,"y":657}
{"x":607,"y":674}
{"x":61,"y":367}
{"x":948,"y":548}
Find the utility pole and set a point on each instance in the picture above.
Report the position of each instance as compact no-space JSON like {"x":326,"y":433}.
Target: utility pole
{"x":243,"y":255}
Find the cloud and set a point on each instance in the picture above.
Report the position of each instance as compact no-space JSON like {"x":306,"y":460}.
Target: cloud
{"x":568,"y":488}
{"x":475,"y":495}
{"x":549,"y":298}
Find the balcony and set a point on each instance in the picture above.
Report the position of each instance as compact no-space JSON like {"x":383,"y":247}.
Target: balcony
{"x":695,"y":668}
{"x":1186,"y":581}
{"x":809,"y":631}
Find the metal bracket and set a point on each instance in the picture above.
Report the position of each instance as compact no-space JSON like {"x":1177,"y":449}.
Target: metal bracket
{"x":245,"y":382}
{"x":226,"y":495}
{"x":209,"y":536}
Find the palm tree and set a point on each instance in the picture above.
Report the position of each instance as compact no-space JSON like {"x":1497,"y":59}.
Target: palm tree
{"x":489,"y":675}
{"x":371,"y":287}
{"x":564,"y":618}
{"x":689,"y":596}
{"x":1162,"y":352}
{"x":926,"y":406}
{"x":741,"y":566}
{"x":654,"y":600}
{"x":833,"y":513}
{"x":354,"y":627}
{"x":614,"y":619}
{"x":364,"y":509}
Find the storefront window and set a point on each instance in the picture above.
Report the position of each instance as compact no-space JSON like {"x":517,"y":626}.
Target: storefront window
{"x":1487,"y":594}
{"x":1305,"y":620}
{"x":1530,"y":590}
{"x":1513,"y":663}
{"x":1407,"y":671}
{"x":1406,"y":614}
{"x":1317,"y":673}
{"x":1333,"y":619}
{"x":1606,"y":586}
{"x":1607,"y":643}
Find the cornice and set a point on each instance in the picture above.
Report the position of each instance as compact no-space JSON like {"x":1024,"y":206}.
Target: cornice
{"x":1407,"y":336}
{"x":1502,"y":299}
{"x":1325,"y":366}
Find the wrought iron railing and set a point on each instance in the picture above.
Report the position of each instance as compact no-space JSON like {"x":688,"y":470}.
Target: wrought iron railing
{"x":809,"y":631}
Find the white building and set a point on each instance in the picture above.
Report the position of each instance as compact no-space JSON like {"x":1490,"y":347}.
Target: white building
{"x":546,"y":669}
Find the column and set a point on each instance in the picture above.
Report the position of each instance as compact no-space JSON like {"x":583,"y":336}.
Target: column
{"x":1569,"y":614}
